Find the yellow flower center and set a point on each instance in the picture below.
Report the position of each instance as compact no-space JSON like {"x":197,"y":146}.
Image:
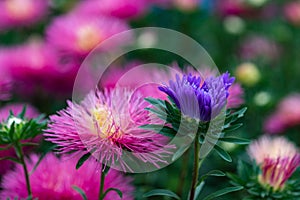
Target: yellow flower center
{"x":19,"y":9}
{"x":88,"y":37}
{"x":105,"y":123}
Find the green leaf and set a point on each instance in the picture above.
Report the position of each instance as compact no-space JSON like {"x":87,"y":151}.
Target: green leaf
{"x":82,"y":160}
{"x":236,"y":179}
{"x":235,"y":140}
{"x":6,"y":147}
{"x":22,"y":114}
{"x":113,"y":189}
{"x":198,"y":190}
{"x":80,"y":191}
{"x":164,"y":130}
{"x":11,"y":159}
{"x":211,"y":173}
{"x":223,"y":192}
{"x":229,"y":127}
{"x":161,"y":192}
{"x":222,"y":153}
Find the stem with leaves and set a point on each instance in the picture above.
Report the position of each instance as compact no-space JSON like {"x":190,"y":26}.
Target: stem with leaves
{"x":20,"y":154}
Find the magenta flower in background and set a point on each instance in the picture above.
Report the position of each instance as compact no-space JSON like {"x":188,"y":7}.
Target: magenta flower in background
{"x":292,"y":12}
{"x":278,"y":159}
{"x":107,"y":123}
{"x":5,"y":81}
{"x":55,"y":178}
{"x":236,"y":96}
{"x":197,"y":99}
{"x":116,"y":76}
{"x":79,"y":34}
{"x":287,"y":115}
{"x":231,"y":7}
{"x":117,"y":8}
{"x":259,"y":47}
{"x":21,"y":12}
{"x":16,"y":109}
{"x":36,"y":66}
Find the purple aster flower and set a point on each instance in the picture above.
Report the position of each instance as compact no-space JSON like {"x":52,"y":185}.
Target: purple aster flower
{"x":197,"y":99}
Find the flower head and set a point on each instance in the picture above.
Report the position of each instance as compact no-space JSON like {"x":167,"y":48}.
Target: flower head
{"x":278,"y":159}
{"x":287,"y":115}
{"x":197,"y":99}
{"x":36,"y":64}
{"x":55,"y":178}
{"x":16,"y":109}
{"x":117,"y":8}
{"x":21,"y":12}
{"x":107,"y":123}
{"x":73,"y":34}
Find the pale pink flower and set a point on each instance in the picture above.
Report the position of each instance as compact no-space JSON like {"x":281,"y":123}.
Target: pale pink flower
{"x":278,"y":159}
{"x":54,"y":178}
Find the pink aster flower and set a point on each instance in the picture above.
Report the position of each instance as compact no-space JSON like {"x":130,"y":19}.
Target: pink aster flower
{"x":278,"y":159}
{"x":21,"y":12}
{"x":5,"y":81}
{"x":16,"y":109}
{"x":287,"y":115}
{"x":55,"y":178}
{"x":118,"y":8}
{"x":231,"y":7}
{"x":107,"y":123}
{"x":292,"y":12}
{"x":36,"y":66}
{"x":127,"y":77}
{"x":79,"y":34}
{"x":259,"y":47}
{"x":235,"y":98}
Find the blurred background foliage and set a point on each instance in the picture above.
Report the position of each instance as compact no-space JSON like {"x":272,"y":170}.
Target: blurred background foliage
{"x":262,"y":34}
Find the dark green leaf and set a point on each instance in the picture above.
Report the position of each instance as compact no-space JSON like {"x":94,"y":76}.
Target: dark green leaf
{"x":222,"y":153}
{"x":80,"y":191}
{"x":115,"y":190}
{"x":22,"y":114}
{"x":161,"y":192}
{"x":11,"y":159}
{"x":235,"y":140}
{"x":198,"y":190}
{"x":82,"y":160}
{"x":211,"y":173}
{"x":223,"y":192}
{"x":229,"y":128}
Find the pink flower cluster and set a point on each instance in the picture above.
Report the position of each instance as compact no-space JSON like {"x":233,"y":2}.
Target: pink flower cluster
{"x":287,"y":115}
{"x":55,"y":178}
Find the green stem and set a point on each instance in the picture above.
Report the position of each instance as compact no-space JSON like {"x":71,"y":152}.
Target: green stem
{"x":101,"y":190}
{"x":196,"y":167}
{"x":183,"y":173}
{"x":20,"y":154}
